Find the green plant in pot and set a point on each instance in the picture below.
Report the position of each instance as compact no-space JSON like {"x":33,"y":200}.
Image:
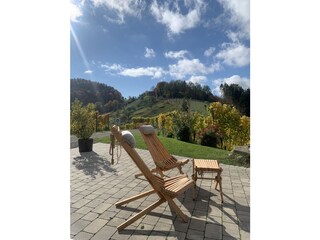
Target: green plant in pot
{"x":82,"y":122}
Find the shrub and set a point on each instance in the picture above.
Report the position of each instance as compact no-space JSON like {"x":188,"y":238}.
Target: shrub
{"x":82,"y":119}
{"x":209,"y":137}
{"x":235,"y":129}
{"x":170,"y":135}
{"x":183,"y":133}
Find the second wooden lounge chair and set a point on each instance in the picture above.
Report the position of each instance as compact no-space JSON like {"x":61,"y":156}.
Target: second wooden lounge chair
{"x":163,"y":160}
{"x":167,"y":189}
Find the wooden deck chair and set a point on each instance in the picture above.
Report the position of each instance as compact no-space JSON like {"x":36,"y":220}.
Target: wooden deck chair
{"x":161,"y":157}
{"x":167,"y":189}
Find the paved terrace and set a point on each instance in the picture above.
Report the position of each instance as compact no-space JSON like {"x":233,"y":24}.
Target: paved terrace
{"x":96,"y":186}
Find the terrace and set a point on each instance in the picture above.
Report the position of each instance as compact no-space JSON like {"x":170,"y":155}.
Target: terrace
{"x":96,"y":186}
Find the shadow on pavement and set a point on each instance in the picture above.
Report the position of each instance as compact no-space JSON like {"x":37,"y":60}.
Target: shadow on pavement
{"x":93,"y":164}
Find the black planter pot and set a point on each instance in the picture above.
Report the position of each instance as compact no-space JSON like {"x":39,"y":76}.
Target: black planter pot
{"x":85,"y":145}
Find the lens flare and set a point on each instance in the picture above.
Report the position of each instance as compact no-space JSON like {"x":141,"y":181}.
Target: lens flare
{"x":83,"y":56}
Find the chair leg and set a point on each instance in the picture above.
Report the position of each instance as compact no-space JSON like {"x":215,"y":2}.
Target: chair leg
{"x":178,"y":211}
{"x":140,"y":214}
{"x":160,"y":172}
{"x":141,"y":195}
{"x":180,"y":169}
{"x":194,"y":191}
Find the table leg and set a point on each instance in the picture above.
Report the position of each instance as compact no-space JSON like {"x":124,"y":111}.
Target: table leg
{"x":218,"y":180}
{"x":194,"y":177}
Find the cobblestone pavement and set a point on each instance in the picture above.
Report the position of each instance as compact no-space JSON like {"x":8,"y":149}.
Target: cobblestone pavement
{"x":96,"y":186}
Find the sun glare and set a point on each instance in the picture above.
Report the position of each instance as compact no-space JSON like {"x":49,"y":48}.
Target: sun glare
{"x":83,"y":56}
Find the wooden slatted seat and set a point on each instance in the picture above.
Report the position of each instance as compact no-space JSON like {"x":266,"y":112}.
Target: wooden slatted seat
{"x":163,"y":160}
{"x":167,"y":189}
{"x":207,"y":165}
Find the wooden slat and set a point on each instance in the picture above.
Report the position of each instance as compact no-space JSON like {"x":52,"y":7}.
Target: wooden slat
{"x":206,"y":165}
{"x":141,"y":195}
{"x":169,"y":181}
{"x":161,"y":157}
{"x":173,"y":186}
{"x":179,"y":187}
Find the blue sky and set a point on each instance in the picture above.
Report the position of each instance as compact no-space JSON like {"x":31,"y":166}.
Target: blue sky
{"x":132,"y":45}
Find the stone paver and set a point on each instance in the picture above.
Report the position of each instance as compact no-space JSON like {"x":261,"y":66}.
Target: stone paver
{"x":95,"y":226}
{"x":78,"y":226}
{"x":83,"y":236}
{"x":95,"y":188}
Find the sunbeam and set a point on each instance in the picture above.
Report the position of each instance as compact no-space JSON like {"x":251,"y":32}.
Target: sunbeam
{"x":84,"y":60}
{"x":83,"y":56}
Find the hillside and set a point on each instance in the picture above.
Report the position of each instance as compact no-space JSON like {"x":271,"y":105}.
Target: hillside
{"x":165,"y":97}
{"x":144,"y":108}
{"x":105,"y":98}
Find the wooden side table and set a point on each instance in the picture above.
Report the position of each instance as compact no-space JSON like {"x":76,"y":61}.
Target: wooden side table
{"x":205,"y":165}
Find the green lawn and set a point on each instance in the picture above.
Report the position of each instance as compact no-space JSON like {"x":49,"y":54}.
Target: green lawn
{"x":176,"y":147}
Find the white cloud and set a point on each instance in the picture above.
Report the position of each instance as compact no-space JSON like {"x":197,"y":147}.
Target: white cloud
{"x":149,"y":53}
{"x":113,"y":67}
{"x":154,"y":72}
{"x":176,"y":22}
{"x":197,"y":79}
{"x":234,"y":54}
{"x":88,"y":72}
{"x":209,"y":51}
{"x":235,"y":79}
{"x":235,"y":36}
{"x":121,"y":8}
{"x":176,"y":55}
{"x":185,"y":67}
{"x":239,"y":15}
{"x":75,"y":12}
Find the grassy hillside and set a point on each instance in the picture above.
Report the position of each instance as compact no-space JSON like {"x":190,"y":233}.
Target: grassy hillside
{"x":142,"y":108}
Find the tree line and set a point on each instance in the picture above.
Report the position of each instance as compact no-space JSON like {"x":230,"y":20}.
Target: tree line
{"x":108,"y":99}
{"x":182,"y":89}
{"x":105,"y":98}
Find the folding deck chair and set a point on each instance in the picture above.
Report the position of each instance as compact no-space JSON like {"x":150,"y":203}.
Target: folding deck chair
{"x":161,"y":157}
{"x":167,"y":189}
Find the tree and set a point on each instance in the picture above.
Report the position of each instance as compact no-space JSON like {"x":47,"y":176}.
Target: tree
{"x":185,"y":106}
{"x":237,"y":96}
{"x":181,"y":89}
{"x":97,"y":93}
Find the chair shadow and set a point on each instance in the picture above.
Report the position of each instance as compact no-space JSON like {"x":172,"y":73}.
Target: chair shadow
{"x":93,"y":164}
{"x":243,"y":221}
{"x":204,"y":196}
{"x":196,"y":215}
{"x":140,"y":228}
